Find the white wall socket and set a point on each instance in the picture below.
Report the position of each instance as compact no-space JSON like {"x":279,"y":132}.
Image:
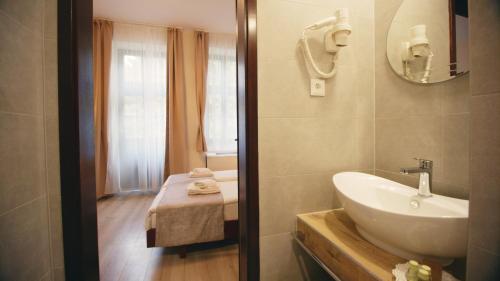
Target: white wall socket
{"x":317,"y":87}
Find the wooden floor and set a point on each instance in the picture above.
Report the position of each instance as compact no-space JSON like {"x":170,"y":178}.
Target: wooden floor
{"x":123,"y":254}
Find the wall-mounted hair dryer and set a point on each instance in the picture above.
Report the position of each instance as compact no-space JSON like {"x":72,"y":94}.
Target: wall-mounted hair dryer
{"x":334,"y":37}
{"x":417,"y":47}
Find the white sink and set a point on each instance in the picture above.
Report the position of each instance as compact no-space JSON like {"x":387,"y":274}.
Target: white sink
{"x":392,"y":216}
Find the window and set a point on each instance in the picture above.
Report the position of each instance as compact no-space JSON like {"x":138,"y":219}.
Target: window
{"x":220,"y":108}
{"x":137,"y":108}
{"x":131,"y":84}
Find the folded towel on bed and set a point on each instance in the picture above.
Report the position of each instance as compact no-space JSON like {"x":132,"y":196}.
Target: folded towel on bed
{"x":199,"y":187}
{"x":196,"y":191}
{"x":227,"y":175}
{"x":223,"y":178}
{"x":206,"y":183}
{"x":201,"y":173}
{"x":180,"y":219}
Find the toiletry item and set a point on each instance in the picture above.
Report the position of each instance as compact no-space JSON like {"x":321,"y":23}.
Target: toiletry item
{"x":399,"y":271}
{"x":411,"y":275}
{"x":423,"y":275}
{"x":426,"y":268}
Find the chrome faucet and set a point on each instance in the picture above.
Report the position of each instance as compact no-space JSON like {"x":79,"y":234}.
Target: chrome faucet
{"x":425,"y":181}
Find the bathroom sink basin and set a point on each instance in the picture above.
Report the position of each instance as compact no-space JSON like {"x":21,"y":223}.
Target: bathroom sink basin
{"x":393,"y":217}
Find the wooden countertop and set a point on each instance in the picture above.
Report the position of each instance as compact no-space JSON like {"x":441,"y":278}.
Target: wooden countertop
{"x":349,"y":251}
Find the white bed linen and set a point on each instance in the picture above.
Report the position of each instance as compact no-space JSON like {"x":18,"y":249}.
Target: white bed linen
{"x":229,"y":191}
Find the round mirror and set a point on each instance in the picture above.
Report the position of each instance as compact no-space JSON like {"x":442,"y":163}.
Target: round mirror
{"x":428,"y":40}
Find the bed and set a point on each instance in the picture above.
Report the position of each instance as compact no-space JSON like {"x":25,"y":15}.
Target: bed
{"x":178,"y":219}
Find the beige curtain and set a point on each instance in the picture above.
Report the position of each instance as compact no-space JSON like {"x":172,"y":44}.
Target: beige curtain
{"x":201,"y":65}
{"x":176,"y":156}
{"x":102,"y":36}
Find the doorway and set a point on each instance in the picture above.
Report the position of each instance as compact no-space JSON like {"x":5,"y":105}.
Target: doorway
{"x":77,"y":140}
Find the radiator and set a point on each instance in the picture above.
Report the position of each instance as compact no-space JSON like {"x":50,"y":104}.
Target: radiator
{"x":221,"y":161}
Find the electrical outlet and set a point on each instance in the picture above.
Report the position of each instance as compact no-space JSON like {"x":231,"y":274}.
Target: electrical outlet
{"x":317,"y":87}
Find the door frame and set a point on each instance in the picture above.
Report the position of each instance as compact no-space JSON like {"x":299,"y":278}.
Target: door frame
{"x":76,"y":140}
{"x":248,"y":161}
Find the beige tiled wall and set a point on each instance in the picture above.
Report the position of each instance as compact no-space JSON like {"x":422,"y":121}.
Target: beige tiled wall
{"x":484,"y":233}
{"x":30,"y":213}
{"x":425,"y":121}
{"x":304,"y":140}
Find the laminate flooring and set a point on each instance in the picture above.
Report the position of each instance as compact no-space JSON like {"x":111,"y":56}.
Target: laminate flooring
{"x":123,"y":254}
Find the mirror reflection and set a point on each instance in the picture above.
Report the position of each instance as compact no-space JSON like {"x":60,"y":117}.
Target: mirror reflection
{"x":427,"y":41}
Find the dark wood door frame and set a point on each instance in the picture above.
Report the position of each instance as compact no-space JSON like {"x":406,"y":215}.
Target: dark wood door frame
{"x":76,"y":136}
{"x":76,"y":140}
{"x":248,"y":166}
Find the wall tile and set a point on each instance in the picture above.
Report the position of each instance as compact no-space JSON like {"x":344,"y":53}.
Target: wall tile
{"x":409,"y":180}
{"x":360,"y":8}
{"x":356,"y":54}
{"x":450,"y":190}
{"x":455,"y":95}
{"x":484,"y":222}
{"x":288,"y":19}
{"x":484,"y":43}
{"x":485,"y":173}
{"x":24,"y":242}
{"x":349,"y":93}
{"x":50,"y":73}
{"x":485,"y":140}
{"x":441,"y":188}
{"x":384,"y":13}
{"x":28,"y":106}
{"x":22,"y":167}
{"x":27,"y":12}
{"x":53,"y":189}
{"x":291,"y":146}
{"x":50,"y":19}
{"x":46,"y":277}
{"x":284,"y":197}
{"x":482,"y":265}
{"x":398,"y":141}
{"x":396,"y":97}
{"x":404,"y":110}
{"x":59,"y":274}
{"x":284,"y":88}
{"x":365,"y":92}
{"x":456,"y":150}
{"x":56,"y":235}
{"x":277,"y":259}
{"x":275,"y":14}
{"x":304,"y":140}
{"x":21,"y":74}
{"x":283,"y":260}
{"x":52,"y":152}
{"x":365,"y":150}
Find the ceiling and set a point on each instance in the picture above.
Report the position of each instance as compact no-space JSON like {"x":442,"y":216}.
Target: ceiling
{"x":208,"y":15}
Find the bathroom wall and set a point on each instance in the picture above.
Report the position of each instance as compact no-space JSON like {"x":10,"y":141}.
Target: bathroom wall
{"x":424,"y":121}
{"x":484,"y":232}
{"x":304,"y":140}
{"x":30,"y":213}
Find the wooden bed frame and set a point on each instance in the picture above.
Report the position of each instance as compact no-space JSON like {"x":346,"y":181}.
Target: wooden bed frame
{"x":231,"y":233}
